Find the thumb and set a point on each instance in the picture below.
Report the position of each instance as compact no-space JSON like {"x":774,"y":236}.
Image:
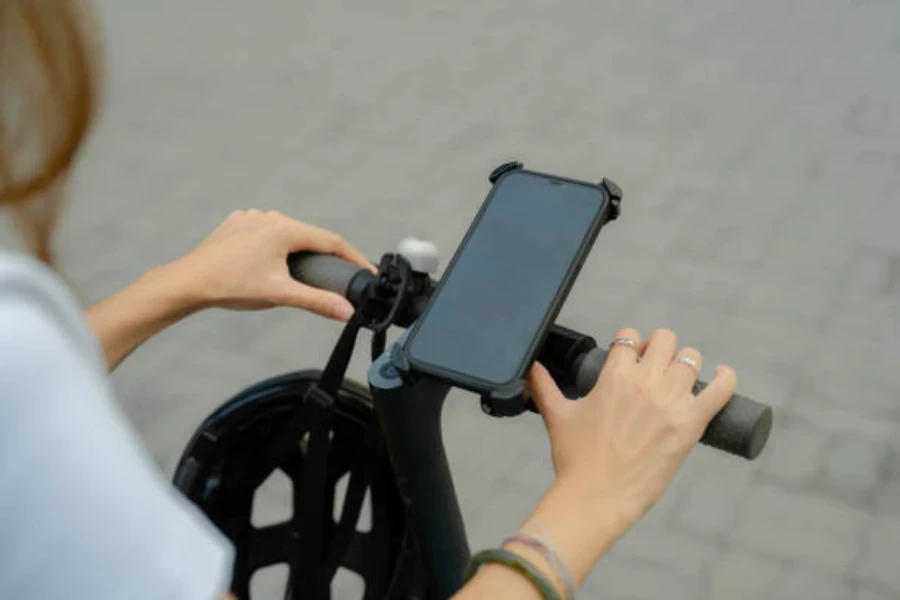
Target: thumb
{"x":547,"y":397}
{"x":322,"y":302}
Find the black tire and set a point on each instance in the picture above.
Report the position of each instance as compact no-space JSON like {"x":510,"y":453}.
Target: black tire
{"x":220,"y":471}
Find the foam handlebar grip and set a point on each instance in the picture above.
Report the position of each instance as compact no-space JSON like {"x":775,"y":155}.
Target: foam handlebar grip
{"x":741,"y":428}
{"x":322,"y":271}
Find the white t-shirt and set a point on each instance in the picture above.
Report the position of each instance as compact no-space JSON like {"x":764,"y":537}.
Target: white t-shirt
{"x":83,"y":511}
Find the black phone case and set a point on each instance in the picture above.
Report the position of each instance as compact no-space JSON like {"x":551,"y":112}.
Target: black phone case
{"x":510,"y":394}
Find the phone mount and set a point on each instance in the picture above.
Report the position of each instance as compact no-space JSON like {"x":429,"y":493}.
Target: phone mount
{"x":611,"y":187}
{"x":561,"y":348}
{"x":562,"y":354}
{"x":507,"y":401}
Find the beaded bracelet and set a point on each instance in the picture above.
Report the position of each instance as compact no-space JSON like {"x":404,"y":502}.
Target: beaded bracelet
{"x":510,"y":559}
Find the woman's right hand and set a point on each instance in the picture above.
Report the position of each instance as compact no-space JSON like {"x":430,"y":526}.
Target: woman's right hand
{"x":615,"y":451}
{"x":622,"y":444}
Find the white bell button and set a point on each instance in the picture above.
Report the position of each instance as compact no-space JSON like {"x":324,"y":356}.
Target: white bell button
{"x":423,"y":256}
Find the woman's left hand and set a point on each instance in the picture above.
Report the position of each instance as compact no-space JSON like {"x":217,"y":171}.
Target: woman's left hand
{"x":243,"y":265}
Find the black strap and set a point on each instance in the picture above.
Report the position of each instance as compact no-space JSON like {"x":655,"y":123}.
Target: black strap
{"x":307,"y":546}
{"x":306,"y":555}
{"x":312,"y":576}
{"x":360,"y":477}
{"x":379,"y":341}
{"x":333,"y":375}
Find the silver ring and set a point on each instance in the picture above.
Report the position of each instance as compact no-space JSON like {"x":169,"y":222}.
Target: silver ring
{"x":625,"y":341}
{"x":689,"y":362}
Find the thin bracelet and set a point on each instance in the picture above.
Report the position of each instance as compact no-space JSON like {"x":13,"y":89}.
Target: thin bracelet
{"x":512,"y":560}
{"x":549,"y":553}
{"x":536,"y":531}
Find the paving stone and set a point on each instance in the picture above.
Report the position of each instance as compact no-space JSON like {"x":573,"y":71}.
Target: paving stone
{"x":887,"y":498}
{"x":741,"y":575}
{"x":818,"y":261}
{"x":777,"y":340}
{"x":854,"y":467}
{"x":711,"y":508}
{"x":691,"y":283}
{"x":878,"y":561}
{"x":616,"y":577}
{"x":802,"y":582}
{"x":867,"y":593}
{"x":669,"y":549}
{"x":789,"y":300}
{"x":807,"y":528}
{"x":866,"y":396}
{"x":795,"y":544}
{"x":796,"y":452}
{"x":872,"y":362}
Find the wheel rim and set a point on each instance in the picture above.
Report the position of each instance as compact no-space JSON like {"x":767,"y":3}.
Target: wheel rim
{"x":220,"y":472}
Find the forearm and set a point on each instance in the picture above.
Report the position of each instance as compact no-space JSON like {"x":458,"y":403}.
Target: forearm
{"x":128,"y":318}
{"x":580,"y":533}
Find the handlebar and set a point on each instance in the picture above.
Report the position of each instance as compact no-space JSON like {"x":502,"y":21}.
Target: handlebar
{"x":331,"y":273}
{"x":742,"y":427}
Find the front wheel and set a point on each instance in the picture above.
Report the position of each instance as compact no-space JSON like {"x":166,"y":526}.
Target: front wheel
{"x":223,"y":466}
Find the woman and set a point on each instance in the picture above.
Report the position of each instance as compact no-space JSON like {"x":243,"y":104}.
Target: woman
{"x":83,"y":514}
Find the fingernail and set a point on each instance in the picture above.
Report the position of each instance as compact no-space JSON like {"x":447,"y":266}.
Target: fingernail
{"x":342,"y":311}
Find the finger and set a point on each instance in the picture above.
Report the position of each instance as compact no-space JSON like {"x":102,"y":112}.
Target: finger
{"x":717,"y":394}
{"x":624,"y":354}
{"x":546,"y":394}
{"x":684,"y":370}
{"x":345,"y":250}
{"x":322,"y":302}
{"x":659,"y":350}
{"x":303,"y":236}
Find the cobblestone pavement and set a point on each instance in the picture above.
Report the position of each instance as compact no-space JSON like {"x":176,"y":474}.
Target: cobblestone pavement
{"x":757,"y":144}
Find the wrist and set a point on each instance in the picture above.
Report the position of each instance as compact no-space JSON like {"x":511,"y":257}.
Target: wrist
{"x":165,"y":294}
{"x":580,"y":524}
{"x":178,"y":288}
{"x":603,"y":506}
{"x":158,"y":299}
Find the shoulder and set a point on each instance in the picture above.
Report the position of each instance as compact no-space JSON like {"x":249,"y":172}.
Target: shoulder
{"x":37,"y":309}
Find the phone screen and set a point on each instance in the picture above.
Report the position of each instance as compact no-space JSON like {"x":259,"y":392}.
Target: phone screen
{"x":503,"y":283}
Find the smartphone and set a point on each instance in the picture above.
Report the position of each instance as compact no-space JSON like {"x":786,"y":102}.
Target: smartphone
{"x":506,"y":283}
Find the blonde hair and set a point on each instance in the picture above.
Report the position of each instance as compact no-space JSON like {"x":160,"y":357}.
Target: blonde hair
{"x":48,"y":96}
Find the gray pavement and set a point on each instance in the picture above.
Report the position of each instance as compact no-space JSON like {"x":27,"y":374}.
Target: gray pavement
{"x":757,"y":144}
